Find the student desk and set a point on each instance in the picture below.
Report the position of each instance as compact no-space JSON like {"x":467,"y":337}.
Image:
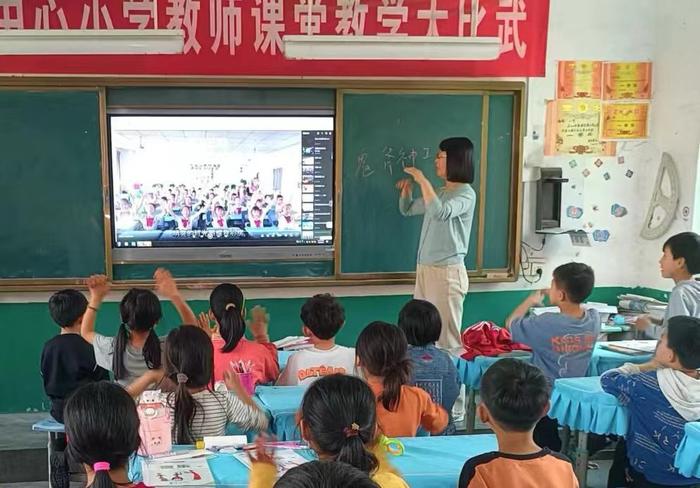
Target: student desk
{"x":52,"y":428}
{"x":583,"y":406}
{"x":281,"y":404}
{"x":427,"y":462}
{"x":471,"y":372}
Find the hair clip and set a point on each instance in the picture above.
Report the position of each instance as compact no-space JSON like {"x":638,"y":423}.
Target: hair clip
{"x":352,"y":431}
{"x":230,"y":306}
{"x":182,"y":378}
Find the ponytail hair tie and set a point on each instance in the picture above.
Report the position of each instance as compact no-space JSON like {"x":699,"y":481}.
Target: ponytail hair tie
{"x":229,"y":306}
{"x":101,"y":466}
{"x":352,"y":431}
{"x":182,"y":378}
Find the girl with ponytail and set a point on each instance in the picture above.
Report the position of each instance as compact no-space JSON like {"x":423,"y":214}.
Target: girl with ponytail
{"x":136,"y":349}
{"x":227,"y":308}
{"x":382,"y":355}
{"x":198,"y":407}
{"x":338,"y":420}
{"x":103,"y":428}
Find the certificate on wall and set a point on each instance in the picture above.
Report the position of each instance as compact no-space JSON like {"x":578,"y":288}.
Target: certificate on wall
{"x":625,"y":121}
{"x":573,"y":127}
{"x":627,"y":81}
{"x":579,"y":79}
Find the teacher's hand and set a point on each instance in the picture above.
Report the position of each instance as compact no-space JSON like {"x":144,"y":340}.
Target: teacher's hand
{"x":404,"y":185}
{"x":416,"y":173}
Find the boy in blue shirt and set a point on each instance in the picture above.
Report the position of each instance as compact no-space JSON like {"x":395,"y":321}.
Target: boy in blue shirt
{"x":661,"y":397}
{"x":562,"y":343}
{"x":433,"y":369}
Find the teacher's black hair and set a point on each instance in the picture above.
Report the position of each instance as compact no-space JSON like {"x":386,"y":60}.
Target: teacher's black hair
{"x":460,"y":163}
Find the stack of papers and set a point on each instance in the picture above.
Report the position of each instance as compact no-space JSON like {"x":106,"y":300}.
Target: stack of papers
{"x":285,"y":459}
{"x":643,"y":305}
{"x":603,"y":309}
{"x":632,"y":348}
{"x":185,"y":472}
{"x":293,"y":343}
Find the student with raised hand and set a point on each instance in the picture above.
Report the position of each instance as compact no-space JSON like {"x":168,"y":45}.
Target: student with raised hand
{"x":199,"y":408}
{"x":136,"y":348}
{"x":227,"y":306}
{"x":338,"y":420}
{"x":382,"y":357}
{"x":103,"y":427}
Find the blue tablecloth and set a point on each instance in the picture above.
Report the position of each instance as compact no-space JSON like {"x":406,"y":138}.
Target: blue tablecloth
{"x":688,"y":454}
{"x":281,"y":404}
{"x":283,"y":357}
{"x":428,"y":462}
{"x":581,"y":404}
{"x":604,"y":360}
{"x":472,"y":371}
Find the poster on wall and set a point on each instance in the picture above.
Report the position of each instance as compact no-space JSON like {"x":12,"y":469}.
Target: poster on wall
{"x":573,"y":127}
{"x":625,"y":121}
{"x":627,"y":81}
{"x":579,"y":79}
{"x":246,"y":37}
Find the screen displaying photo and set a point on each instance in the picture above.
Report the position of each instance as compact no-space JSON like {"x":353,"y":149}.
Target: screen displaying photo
{"x":189,"y":181}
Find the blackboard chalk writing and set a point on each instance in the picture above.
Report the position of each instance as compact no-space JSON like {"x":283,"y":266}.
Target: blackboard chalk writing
{"x":363,"y":167}
{"x":388,"y":159}
{"x":426,"y":153}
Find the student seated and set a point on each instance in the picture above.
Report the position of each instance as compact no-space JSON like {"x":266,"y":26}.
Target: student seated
{"x":514,"y":397}
{"x":322,"y":317}
{"x":338,"y":420}
{"x":431,"y":368}
{"x":680,"y":261}
{"x":196,"y":409}
{"x":661,"y":397}
{"x":103,"y":427}
{"x":67,"y":362}
{"x":382,"y":357}
{"x":323,"y":474}
{"x":562,"y":343}
{"x":227,"y":306}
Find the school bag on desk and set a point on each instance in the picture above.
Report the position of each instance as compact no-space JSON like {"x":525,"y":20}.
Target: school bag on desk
{"x":487,"y":339}
{"x":155,"y":430}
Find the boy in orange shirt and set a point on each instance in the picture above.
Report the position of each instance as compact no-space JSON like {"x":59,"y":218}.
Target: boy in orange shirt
{"x":515,"y":396}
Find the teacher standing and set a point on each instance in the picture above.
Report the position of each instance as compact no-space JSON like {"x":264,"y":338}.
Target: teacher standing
{"x":441,"y":277}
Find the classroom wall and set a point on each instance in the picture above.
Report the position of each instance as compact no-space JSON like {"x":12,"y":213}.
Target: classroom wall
{"x":675,"y":120}
{"x":591,"y":30}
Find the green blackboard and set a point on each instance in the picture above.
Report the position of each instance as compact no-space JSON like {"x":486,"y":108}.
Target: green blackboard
{"x":51,"y":185}
{"x":382,"y":133}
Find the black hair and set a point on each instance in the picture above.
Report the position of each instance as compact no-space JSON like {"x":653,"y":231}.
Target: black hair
{"x":103,"y":426}
{"x":329,"y":409}
{"x":516,"y":394}
{"x":460,"y":164}
{"x":256,"y":209}
{"x":686,"y":245}
{"x":323,"y":315}
{"x":219,"y":207}
{"x":576,"y":280}
{"x":228,"y":306}
{"x":325,"y":474}
{"x":67,"y":306}
{"x":683,"y":338}
{"x":188,"y":351}
{"x":383,"y":351}
{"x":420,"y":321}
{"x":140,"y":311}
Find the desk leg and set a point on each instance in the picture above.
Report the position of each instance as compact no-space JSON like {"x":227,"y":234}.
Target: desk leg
{"x":470,"y":415}
{"x":581,"y":458}
{"x":48,"y":451}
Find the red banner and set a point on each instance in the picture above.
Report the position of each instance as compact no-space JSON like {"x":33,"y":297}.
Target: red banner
{"x":244,"y":37}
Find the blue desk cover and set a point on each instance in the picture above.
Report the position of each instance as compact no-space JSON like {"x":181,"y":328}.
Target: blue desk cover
{"x":688,"y":455}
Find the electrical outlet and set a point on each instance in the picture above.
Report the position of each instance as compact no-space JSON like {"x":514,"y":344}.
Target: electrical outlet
{"x":533,"y":266}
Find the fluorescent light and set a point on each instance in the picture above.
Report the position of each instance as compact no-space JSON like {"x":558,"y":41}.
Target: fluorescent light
{"x":73,"y":41}
{"x":391,"y":47}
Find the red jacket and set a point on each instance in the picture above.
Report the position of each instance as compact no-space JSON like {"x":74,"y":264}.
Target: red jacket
{"x":488,"y":339}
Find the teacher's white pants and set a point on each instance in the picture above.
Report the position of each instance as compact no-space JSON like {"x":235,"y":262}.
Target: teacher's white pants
{"x":445,"y":287}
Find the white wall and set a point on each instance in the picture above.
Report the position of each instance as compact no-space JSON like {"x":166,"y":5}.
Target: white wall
{"x":675,"y":121}
{"x":620,"y":30}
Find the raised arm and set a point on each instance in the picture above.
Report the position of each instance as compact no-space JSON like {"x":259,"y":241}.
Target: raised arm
{"x":407,"y":205}
{"x":166,"y":286}
{"x":99,"y":287}
{"x":434,"y":205}
{"x":521,"y":310}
